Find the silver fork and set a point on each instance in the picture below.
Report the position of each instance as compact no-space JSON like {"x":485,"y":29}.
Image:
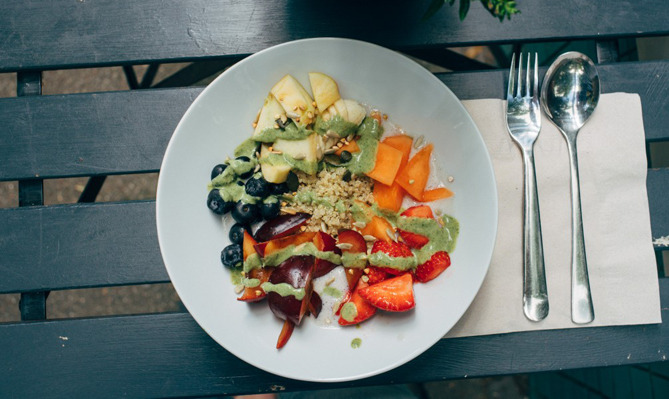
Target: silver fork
{"x":523,"y":118}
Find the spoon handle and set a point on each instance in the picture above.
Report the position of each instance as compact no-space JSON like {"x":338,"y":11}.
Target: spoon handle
{"x":535,"y":295}
{"x":582,"y":311}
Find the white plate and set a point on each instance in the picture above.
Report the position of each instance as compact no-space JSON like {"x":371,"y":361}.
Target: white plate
{"x":191,"y":237}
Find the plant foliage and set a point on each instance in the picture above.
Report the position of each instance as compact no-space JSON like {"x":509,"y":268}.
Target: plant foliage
{"x":498,"y":8}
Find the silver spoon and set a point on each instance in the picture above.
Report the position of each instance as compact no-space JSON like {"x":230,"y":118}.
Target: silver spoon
{"x":569,"y":95}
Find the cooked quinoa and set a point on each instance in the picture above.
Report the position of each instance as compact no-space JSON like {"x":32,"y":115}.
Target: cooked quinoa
{"x":327,"y":197}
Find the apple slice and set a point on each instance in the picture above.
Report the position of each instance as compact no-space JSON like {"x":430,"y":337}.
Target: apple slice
{"x":356,"y":112}
{"x":295,"y":100}
{"x":325,"y":90}
{"x":268,"y":113}
{"x":277,"y":173}
{"x":310,"y":149}
{"x":339,"y":108}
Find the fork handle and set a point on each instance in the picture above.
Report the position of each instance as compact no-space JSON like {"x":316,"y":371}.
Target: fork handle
{"x":535,"y":295}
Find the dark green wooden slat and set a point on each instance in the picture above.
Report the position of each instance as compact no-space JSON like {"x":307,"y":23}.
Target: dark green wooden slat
{"x":169,"y":355}
{"x":641,"y":383}
{"x":127,"y":132}
{"x":88,"y":134}
{"x":622,"y":383}
{"x":660,"y":387}
{"x":657,"y":185}
{"x":74,"y":246}
{"x":85,"y":33}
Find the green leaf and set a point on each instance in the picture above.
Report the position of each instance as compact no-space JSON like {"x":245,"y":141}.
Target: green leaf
{"x":464,"y":8}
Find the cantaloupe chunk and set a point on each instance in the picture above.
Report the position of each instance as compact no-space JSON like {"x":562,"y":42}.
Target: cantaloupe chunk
{"x":390,"y":197}
{"x":379,"y":228}
{"x":436,"y":194}
{"x":387,"y":164}
{"x":401,"y":142}
{"x":413,"y":177}
{"x":351,"y":147}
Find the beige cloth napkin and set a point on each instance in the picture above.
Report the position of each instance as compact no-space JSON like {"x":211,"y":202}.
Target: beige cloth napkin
{"x":616,"y":222}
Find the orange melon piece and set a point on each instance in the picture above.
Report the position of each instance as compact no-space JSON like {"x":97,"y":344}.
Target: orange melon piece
{"x":387,"y":164}
{"x":352,"y":146}
{"x":379,"y":228}
{"x":436,"y":194}
{"x":390,"y":197}
{"x":413,"y":177}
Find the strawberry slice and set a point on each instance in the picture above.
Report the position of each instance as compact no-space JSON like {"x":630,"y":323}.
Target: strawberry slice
{"x":419,"y":211}
{"x":377,"y":274}
{"x":392,"y":249}
{"x":394,"y":295}
{"x":414,"y":240}
{"x":363,"y":309}
{"x":433,"y":267}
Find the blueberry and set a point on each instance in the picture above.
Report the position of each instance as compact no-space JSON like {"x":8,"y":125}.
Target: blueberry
{"x":270,"y":210}
{"x":237,"y":233}
{"x":257,"y":187}
{"x":345,"y":156}
{"x":292,"y":182}
{"x":232,"y":256}
{"x":217,"y":204}
{"x":218,"y":169}
{"x":278,"y":189}
{"x":245,"y":213}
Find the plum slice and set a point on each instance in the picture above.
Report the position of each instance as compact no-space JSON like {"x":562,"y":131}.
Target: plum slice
{"x":295,"y":271}
{"x":326,"y":243}
{"x":281,"y":226}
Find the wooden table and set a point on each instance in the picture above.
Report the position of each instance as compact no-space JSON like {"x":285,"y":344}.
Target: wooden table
{"x":45,"y":248}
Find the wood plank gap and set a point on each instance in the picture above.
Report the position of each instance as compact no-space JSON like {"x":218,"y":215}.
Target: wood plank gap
{"x":32,"y":305}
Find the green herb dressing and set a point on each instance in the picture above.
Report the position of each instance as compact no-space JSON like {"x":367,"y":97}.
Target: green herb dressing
{"x":236,"y":277}
{"x":393,"y":262}
{"x":363,"y":161}
{"x":349,"y":312}
{"x":252,"y":262}
{"x":272,"y":199}
{"x":250,"y":282}
{"x":442,"y":238}
{"x":283,"y":289}
{"x":355,"y":343}
{"x":332,"y":291}
{"x":308,"y":248}
{"x":335,"y":124}
{"x":235,"y":168}
{"x":357,"y":260}
{"x":291,"y":132}
{"x":247,"y":148}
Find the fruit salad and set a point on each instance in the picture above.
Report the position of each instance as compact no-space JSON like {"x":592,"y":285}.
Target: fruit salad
{"x":334,"y":212}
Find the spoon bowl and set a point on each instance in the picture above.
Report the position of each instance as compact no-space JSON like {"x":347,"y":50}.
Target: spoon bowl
{"x":570,"y":91}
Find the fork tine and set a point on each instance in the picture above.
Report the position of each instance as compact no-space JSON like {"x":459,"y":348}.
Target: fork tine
{"x":536,"y":76}
{"x":509,"y":91}
{"x":527,"y":76}
{"x":520,"y":74}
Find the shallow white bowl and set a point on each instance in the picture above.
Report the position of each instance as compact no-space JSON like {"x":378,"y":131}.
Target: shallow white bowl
{"x":191,"y":237}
